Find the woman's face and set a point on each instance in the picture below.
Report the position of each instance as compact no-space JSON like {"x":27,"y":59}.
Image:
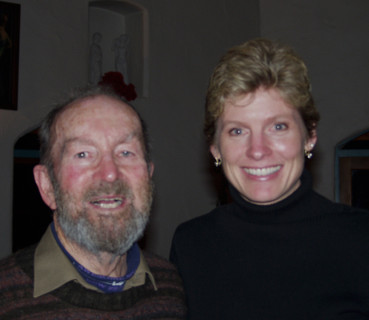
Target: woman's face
{"x":261,"y":141}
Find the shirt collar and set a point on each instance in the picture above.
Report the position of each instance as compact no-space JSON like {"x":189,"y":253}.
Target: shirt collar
{"x":53,"y":269}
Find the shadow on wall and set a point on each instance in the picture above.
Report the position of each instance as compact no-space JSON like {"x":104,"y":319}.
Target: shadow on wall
{"x":30,"y":214}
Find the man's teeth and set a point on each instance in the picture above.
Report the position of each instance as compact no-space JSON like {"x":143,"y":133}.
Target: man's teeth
{"x":262,"y":171}
{"x":108,"y":203}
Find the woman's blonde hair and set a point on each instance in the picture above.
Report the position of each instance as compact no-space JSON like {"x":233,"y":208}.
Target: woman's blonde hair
{"x":255,"y":64}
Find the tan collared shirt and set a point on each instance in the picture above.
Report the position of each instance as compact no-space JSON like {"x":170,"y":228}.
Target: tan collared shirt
{"x":53,"y":269}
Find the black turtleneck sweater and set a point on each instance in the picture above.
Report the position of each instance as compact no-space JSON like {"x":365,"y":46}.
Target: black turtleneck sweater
{"x":302,"y":258}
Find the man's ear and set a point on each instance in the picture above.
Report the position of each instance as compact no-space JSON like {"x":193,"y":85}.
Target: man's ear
{"x":151,"y":169}
{"x":43,"y":181}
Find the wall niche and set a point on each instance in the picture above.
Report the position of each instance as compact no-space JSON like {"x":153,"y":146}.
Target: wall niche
{"x":352,"y":170}
{"x":118,"y":41}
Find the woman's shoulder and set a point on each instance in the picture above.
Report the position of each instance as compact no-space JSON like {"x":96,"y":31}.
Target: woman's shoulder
{"x":336,"y":207}
{"x":343,"y":214}
{"x":196,"y":235}
{"x":204,"y":222}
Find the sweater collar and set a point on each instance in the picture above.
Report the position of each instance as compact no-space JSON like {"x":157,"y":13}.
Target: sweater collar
{"x":293,"y":208}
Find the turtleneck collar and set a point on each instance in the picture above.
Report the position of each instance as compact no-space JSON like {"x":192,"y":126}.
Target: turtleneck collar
{"x":293,"y":208}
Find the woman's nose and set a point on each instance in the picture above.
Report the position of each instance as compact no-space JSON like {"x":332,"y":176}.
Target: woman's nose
{"x":258,"y":147}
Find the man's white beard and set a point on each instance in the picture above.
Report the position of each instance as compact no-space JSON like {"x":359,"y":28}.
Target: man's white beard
{"x":95,"y":233}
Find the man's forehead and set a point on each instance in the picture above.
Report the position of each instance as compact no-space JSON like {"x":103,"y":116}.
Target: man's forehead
{"x":104,"y":107}
{"x":90,"y":114}
{"x":100,"y":102}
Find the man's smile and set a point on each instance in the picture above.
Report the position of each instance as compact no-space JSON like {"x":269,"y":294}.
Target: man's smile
{"x":108,"y":202}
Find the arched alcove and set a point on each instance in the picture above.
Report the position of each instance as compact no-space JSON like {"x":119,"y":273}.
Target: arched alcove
{"x":30,"y":215}
{"x":118,"y":35}
{"x":352,"y":170}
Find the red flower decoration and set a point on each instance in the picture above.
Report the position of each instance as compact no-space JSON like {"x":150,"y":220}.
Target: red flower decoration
{"x":115,"y":80}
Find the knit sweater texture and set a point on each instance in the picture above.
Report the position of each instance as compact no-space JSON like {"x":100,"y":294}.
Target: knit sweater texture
{"x":302,"y":258}
{"x":73,"y":301}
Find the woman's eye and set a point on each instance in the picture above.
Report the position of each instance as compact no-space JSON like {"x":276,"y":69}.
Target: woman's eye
{"x":280,"y":126}
{"x":235,"y":132}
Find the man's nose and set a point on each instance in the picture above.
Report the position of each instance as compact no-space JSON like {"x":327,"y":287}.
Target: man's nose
{"x":108,"y":169}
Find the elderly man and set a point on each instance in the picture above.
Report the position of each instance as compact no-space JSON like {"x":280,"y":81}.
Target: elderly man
{"x":95,"y":174}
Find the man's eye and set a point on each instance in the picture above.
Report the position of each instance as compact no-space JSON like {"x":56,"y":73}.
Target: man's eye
{"x":235,"y":132}
{"x":81,"y":155}
{"x":126,"y":153}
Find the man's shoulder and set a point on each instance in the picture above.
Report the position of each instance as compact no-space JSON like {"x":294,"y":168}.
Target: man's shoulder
{"x":7,"y":266}
{"x":166,"y":276}
{"x":22,"y":257}
{"x":155,"y":261}
{"x":17,"y":270}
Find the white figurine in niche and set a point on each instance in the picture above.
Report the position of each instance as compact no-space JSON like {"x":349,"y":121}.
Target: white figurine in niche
{"x":95,"y":58}
{"x":120,"y":48}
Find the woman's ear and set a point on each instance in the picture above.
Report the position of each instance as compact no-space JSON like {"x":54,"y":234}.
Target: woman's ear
{"x":215,"y":151}
{"x":311,"y":140}
{"x":45,"y":187}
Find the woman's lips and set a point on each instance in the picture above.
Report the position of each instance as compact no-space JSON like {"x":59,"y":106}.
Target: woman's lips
{"x":262,"y":172}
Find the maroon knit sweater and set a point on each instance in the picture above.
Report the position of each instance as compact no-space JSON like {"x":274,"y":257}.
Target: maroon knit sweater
{"x":73,"y":301}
